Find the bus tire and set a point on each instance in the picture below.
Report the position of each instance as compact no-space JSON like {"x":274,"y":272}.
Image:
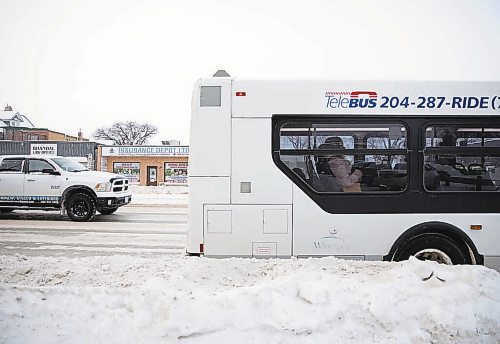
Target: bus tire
{"x":81,"y":207}
{"x":436,"y":247}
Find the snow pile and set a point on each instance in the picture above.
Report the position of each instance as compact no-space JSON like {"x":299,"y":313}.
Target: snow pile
{"x":122,"y":299}
{"x":175,"y":195}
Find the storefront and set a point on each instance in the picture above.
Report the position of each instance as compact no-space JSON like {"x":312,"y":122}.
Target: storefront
{"x":147,"y":165}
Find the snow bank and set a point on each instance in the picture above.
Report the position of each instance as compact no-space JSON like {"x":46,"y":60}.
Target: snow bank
{"x":125,"y":299}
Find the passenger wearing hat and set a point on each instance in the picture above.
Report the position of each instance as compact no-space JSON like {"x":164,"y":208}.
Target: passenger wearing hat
{"x":339,"y":167}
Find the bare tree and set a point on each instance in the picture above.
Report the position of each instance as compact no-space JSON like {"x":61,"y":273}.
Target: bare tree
{"x":297,"y":142}
{"x":127,"y":133}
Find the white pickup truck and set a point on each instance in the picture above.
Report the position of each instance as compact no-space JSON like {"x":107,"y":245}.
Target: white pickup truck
{"x":52,"y":182}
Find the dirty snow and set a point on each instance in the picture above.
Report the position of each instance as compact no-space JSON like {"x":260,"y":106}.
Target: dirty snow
{"x":171,"y":195}
{"x":179,"y":299}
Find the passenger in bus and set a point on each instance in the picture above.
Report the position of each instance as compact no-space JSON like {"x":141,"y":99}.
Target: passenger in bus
{"x":338,"y":167}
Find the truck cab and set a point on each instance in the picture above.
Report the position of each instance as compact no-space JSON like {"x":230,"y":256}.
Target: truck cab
{"x":53,"y":182}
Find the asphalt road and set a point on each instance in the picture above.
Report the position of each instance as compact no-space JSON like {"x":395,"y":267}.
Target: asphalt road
{"x":140,"y":230}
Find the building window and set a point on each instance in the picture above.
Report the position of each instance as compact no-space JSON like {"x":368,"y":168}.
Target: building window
{"x":129,"y":170}
{"x":175,"y":172}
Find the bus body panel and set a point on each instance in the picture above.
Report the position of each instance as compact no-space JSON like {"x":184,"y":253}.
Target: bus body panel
{"x":492,"y":262}
{"x":203,"y":190}
{"x":317,"y":233}
{"x":252,"y":163}
{"x":303,"y":97}
{"x":248,"y":230}
{"x":212,"y":152}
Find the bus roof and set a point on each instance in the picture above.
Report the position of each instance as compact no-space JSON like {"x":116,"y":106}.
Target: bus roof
{"x":264,"y":98}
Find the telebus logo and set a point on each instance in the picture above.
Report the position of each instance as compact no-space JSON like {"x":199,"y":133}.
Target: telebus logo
{"x":354,"y":99}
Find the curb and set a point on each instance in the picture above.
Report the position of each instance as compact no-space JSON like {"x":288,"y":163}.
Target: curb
{"x":158,"y":205}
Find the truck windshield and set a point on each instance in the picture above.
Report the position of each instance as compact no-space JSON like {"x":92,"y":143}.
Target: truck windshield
{"x":69,"y":165}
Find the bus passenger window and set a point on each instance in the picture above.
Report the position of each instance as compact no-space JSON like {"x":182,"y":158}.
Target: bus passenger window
{"x":346,"y":158}
{"x":461,"y":158}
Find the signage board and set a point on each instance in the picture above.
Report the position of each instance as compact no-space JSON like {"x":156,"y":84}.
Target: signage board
{"x":145,"y":151}
{"x":44,"y":149}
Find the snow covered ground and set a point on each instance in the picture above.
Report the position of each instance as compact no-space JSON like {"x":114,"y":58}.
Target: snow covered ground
{"x":179,"y":299}
{"x":171,"y":195}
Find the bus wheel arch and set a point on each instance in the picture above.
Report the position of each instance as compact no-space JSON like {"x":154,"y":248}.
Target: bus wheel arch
{"x":451,"y":243}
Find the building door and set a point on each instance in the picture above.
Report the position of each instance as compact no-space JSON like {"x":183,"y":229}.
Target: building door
{"x":152,"y":176}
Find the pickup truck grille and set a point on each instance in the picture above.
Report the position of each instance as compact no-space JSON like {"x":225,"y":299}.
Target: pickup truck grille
{"x":120,"y":185}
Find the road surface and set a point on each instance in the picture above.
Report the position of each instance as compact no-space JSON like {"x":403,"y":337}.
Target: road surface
{"x":140,"y":230}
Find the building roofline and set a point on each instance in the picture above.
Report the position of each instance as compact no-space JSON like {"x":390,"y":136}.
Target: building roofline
{"x":43,"y":129}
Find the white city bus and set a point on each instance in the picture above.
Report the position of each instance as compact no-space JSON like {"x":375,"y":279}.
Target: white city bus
{"x":421,"y":170}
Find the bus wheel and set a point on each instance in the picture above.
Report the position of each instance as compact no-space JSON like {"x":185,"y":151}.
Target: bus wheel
{"x":435,"y":247}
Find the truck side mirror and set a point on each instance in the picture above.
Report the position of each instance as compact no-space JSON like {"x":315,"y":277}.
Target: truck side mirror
{"x":51,"y":172}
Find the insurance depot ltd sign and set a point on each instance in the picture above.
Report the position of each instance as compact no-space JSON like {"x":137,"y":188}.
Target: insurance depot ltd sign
{"x":145,"y":151}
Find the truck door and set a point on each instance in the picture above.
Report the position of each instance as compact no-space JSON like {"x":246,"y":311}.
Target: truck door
{"x":11,"y":181}
{"x":42,"y":184}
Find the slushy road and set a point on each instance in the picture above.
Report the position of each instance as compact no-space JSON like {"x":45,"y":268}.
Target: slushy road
{"x":136,"y":230}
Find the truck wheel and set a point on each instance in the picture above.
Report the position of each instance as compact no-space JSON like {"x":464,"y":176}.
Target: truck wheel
{"x":108,"y":211}
{"x":6,"y":210}
{"x":435,"y":247}
{"x":81,"y":207}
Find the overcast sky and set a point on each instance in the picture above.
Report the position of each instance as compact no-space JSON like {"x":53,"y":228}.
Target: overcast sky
{"x":73,"y":64}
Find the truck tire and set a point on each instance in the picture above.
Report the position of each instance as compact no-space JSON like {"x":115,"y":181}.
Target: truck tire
{"x":6,"y":210}
{"x":81,"y":207}
{"x":108,"y":211}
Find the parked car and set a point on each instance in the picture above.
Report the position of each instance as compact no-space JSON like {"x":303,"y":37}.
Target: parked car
{"x":48,"y":183}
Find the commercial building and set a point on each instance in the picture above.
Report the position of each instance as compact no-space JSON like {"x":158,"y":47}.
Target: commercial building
{"x":83,"y":152}
{"x":146,"y":165}
{"x":38,"y":134}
